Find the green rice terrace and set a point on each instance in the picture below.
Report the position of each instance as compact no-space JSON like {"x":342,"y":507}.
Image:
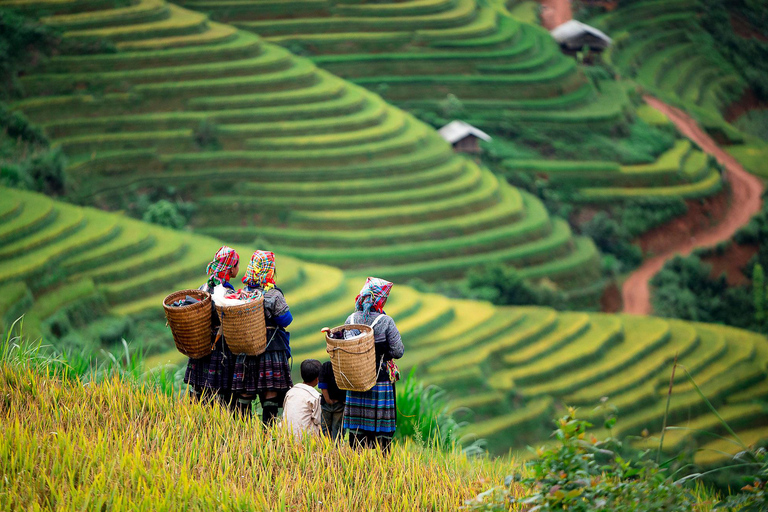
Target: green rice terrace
{"x":663,"y":46}
{"x":505,"y":72}
{"x":306,"y":127}
{"x":512,"y":365}
{"x":294,"y":152}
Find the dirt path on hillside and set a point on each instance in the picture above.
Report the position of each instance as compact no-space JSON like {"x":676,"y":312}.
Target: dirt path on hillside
{"x":745,"y":202}
{"x":555,"y":12}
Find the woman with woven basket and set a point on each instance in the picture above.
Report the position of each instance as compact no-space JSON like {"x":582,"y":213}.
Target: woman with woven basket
{"x":370,"y":416}
{"x":268,"y":375}
{"x":211,"y":376}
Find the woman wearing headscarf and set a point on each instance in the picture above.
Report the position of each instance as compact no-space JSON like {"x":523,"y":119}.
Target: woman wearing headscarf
{"x":267,"y":376}
{"x":371,"y":416}
{"x":211,"y":376}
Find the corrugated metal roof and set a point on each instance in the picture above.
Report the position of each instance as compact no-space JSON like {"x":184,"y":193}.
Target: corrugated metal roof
{"x":573,"y":28}
{"x":457,"y":130}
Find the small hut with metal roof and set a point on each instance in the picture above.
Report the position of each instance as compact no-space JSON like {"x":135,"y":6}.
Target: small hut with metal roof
{"x":464,"y":137}
{"x":573,"y":36}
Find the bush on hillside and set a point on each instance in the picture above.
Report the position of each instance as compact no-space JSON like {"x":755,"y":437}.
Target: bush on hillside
{"x":613,"y":238}
{"x":164,"y":213}
{"x":643,"y":214}
{"x":46,"y":170}
{"x":684,"y":289}
{"x":747,"y":56}
{"x":582,"y":474}
{"x":23,"y":42}
{"x":503,"y":286}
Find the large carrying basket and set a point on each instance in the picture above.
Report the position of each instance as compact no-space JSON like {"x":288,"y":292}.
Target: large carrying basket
{"x":244,"y":327}
{"x":190,"y":325}
{"x":353,"y":359}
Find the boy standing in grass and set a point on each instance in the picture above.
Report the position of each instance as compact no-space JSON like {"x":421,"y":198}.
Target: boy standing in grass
{"x":332,"y":403}
{"x":301,"y":410}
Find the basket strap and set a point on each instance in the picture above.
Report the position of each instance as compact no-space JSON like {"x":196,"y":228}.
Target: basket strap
{"x":270,"y":339}
{"x":334,"y":349}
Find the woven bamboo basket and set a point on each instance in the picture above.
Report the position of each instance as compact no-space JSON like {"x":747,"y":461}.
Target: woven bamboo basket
{"x":353,"y":359}
{"x":190,"y":325}
{"x":244,"y":327}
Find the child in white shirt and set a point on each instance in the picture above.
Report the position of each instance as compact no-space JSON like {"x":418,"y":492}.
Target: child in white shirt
{"x":301,"y":409}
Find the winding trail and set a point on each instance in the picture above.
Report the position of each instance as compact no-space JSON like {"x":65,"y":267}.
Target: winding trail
{"x":555,"y":12}
{"x":745,"y":202}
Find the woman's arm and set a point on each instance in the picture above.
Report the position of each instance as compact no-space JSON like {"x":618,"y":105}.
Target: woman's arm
{"x":281,"y":314}
{"x":396,"y":348}
{"x":284,"y":320}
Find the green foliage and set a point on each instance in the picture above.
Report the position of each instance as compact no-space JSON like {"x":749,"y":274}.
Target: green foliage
{"x":46,"y":170}
{"x":164,"y":213}
{"x":504,"y":285}
{"x":613,"y":238}
{"x":759,"y":292}
{"x":581,"y":473}
{"x":206,"y":136}
{"x":684,"y":289}
{"x":451,"y":107}
{"x":642,"y":214}
{"x":749,"y":56}
{"x":754,"y":495}
{"x":754,"y":122}
{"x":424,"y":416}
{"x":22,"y":43}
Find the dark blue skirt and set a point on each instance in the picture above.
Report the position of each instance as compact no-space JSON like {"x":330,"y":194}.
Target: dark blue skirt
{"x":213,"y":372}
{"x":271,"y":371}
{"x":373,"y":410}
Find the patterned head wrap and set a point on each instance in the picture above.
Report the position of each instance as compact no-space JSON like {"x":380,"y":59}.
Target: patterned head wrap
{"x":373,"y":296}
{"x":219,"y":269}
{"x":261,"y":270}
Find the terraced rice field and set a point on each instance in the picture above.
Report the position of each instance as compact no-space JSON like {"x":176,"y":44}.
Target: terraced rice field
{"x":656,"y":42}
{"x":318,"y":167}
{"x":503,"y":70}
{"x":512,"y":366}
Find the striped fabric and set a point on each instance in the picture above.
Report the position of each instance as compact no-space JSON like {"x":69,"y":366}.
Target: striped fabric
{"x":373,"y":410}
{"x":219,"y":269}
{"x":373,"y":296}
{"x":261,"y":271}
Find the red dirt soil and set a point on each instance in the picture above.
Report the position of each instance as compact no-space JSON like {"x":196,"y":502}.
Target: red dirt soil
{"x":731,"y":262}
{"x":702,"y":214}
{"x":555,"y":12}
{"x":742,"y":27}
{"x":747,"y":102}
{"x":746,"y":191}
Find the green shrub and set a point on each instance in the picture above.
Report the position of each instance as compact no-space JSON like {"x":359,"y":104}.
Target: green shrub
{"x":613,"y":238}
{"x":22,"y":41}
{"x":46,"y":170}
{"x":642,"y":214}
{"x":684,"y":289}
{"x":581,"y":473}
{"x":504,"y":285}
{"x":164,"y":213}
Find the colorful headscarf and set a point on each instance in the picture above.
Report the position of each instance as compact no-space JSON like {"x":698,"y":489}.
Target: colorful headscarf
{"x":219,"y":269}
{"x":261,"y":270}
{"x":373,"y":296}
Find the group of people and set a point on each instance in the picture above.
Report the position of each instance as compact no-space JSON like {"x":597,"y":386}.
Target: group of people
{"x":237,"y":380}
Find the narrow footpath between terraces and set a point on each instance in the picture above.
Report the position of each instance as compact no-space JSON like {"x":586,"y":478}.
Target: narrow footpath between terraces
{"x":744,"y":203}
{"x":555,"y":12}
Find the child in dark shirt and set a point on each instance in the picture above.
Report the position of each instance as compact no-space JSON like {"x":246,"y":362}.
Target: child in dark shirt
{"x":332,"y":403}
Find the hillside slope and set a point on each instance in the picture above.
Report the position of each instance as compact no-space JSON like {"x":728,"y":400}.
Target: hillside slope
{"x":507,"y":77}
{"x":70,"y":266}
{"x":115,"y":445}
{"x":664,"y":46}
{"x":270,"y":147}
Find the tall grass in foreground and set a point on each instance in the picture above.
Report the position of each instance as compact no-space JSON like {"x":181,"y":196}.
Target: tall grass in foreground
{"x":108,"y":437}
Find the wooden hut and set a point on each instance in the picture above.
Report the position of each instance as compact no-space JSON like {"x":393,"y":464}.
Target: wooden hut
{"x":573,"y":36}
{"x":464,"y":137}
